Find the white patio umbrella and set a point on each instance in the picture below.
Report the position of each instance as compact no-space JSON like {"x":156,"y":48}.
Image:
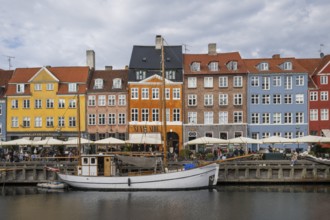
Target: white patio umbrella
{"x":325,"y":140}
{"x":49,"y":141}
{"x":308,"y":139}
{"x":76,"y":140}
{"x":244,"y":140}
{"x":21,"y":141}
{"x":207,"y":140}
{"x":144,"y":140}
{"x":276,"y":139}
{"x":109,"y":140}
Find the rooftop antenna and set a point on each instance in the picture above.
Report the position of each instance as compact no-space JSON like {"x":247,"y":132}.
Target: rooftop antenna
{"x":321,"y":53}
{"x":185,"y":47}
{"x":9,"y":58}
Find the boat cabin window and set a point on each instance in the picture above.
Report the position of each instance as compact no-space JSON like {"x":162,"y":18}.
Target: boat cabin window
{"x":85,"y":161}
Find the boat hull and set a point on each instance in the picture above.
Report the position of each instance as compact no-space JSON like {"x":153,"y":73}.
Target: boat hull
{"x":200,"y":177}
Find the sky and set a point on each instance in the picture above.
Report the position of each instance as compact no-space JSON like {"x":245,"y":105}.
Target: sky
{"x":58,"y":32}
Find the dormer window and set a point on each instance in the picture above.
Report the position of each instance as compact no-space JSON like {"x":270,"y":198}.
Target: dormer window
{"x":232,"y":65}
{"x":195,"y":66}
{"x":287,"y":65}
{"x":72,"y":87}
{"x":116,"y":83}
{"x":170,"y":74}
{"x":213,"y":66}
{"x":140,"y":74}
{"x":20,"y":88}
{"x":263,"y":66}
{"x":98,"y":84}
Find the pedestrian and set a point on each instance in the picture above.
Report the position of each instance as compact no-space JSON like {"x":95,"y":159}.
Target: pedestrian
{"x":294,"y":158}
{"x":219,"y":153}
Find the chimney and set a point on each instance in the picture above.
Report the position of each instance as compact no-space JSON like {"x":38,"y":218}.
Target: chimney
{"x":126,"y":67}
{"x":276,"y":56}
{"x":159,"y":42}
{"x":212,"y":49}
{"x":108,"y":67}
{"x":90,"y":59}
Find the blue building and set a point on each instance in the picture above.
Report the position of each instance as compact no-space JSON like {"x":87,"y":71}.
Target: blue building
{"x":5,"y":76}
{"x":277,"y":100}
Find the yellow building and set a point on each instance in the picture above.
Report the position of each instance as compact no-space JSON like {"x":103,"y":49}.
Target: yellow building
{"x":43,"y":102}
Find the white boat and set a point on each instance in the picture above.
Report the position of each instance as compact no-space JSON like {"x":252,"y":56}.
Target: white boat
{"x":52,"y":185}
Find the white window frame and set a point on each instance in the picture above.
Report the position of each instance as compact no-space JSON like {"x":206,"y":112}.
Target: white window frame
{"x":101,"y":100}
{"x":208,"y":99}
{"x":145,"y":93}
{"x":111,"y":100}
{"x":208,"y":82}
{"x":134,"y":93}
{"x":91,"y":100}
{"x":223,"y":117}
{"x":192,"y":117}
{"x":313,"y":115}
{"x":208,"y":118}
{"x":238,"y":81}
{"x":192,"y":100}
{"x":223,"y":81}
{"x":192,"y":82}
{"x":155,"y":93}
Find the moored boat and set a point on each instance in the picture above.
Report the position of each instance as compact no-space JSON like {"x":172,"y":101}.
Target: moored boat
{"x":52,"y":185}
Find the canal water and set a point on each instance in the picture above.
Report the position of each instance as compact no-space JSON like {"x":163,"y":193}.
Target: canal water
{"x":257,"y":202}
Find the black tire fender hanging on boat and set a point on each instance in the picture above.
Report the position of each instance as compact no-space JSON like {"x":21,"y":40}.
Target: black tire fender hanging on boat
{"x":129,"y":181}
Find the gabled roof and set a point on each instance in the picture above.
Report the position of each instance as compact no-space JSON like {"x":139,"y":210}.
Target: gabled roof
{"x":310,"y":64}
{"x":324,"y":65}
{"x":155,"y":79}
{"x":108,"y":76}
{"x":5,"y":76}
{"x":41,"y":70}
{"x":221,"y":58}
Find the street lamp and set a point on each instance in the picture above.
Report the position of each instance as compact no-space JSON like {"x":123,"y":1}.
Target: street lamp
{"x":297,"y":136}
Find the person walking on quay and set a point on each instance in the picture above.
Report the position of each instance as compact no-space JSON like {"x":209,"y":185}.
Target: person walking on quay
{"x":294,"y":158}
{"x":219,"y":153}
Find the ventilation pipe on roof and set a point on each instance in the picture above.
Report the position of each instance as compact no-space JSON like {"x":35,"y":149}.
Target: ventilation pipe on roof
{"x":159,"y":42}
{"x":321,"y":54}
{"x":90,"y":59}
{"x":212,"y":49}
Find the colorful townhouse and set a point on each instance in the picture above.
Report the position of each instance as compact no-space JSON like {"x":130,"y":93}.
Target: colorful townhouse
{"x":215,"y":95}
{"x":319,"y":102}
{"x":145,"y":88}
{"x":277,"y":98}
{"x":107,"y":104}
{"x":47,"y":102}
{"x":5,"y":76}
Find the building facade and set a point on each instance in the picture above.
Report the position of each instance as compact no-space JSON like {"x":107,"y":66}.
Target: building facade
{"x":5,"y":76}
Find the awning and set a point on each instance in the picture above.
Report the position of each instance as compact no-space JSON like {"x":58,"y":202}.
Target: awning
{"x":145,"y":138}
{"x":326,"y":132}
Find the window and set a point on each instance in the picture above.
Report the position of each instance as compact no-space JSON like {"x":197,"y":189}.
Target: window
{"x":299,"y":80}
{"x":91,"y":100}
{"x":232,"y":65}
{"x":192,"y":117}
{"x":192,"y":82}
{"x":176,"y":114}
{"x":238,"y":81}
{"x":117,"y":83}
{"x":277,"y":118}
{"x":288,"y":82}
{"x":102,"y":119}
{"x":287,"y":118}
{"x":26,"y":122}
{"x":49,"y":122}
{"x":167,"y":94}
{"x":72,"y":121}
{"x":276,"y":133}
{"x":255,"y":117}
{"x":266,"y":99}
{"x":265,"y":134}
{"x":50,"y":103}
{"x":111,"y":100}
{"x":155,"y":93}
{"x":254,"y":99}
{"x":61,"y":103}
{"x":238,"y":99}
{"x":155,"y":114}
{"x":101,"y":100}
{"x":192,"y":100}
{"x":313,"y":96}
{"x":276,"y":81}
{"x":98,"y":83}
{"x":37,"y":103}
{"x":266,"y":83}
{"x":26,"y":103}
{"x":112,"y":119}
{"x":324,"y":114}
{"x":208,"y":99}
{"x":14,"y":122}
{"x":14,"y":104}
{"x":238,"y":117}
{"x":140,"y":74}
{"x":276,"y":99}
{"x":263,"y":66}
{"x":122,"y":100}
{"x":287,"y":99}
{"x":324,"y":80}
{"x":208,"y":82}
{"x":299,"y":117}
{"x":170,"y":74}
{"x":72,"y":103}
{"x":176,"y":93}
{"x":288,"y":135}
{"x":72,"y":87}
{"x":20,"y":88}
{"x":121,"y":118}
{"x":167,"y":114}
{"x":145,"y":114}
{"x":223,"y":117}
{"x":38,"y":122}
{"x":223,"y":81}
{"x":61,"y":121}
{"x":299,"y":98}
{"x":195,"y":66}
{"x":313,"y":115}
{"x":254,"y":81}
{"x":324,"y":96}
{"x":208,"y":118}
{"x":145,"y":93}
{"x":265,"y":118}
{"x":37,"y":87}
{"x":50,"y":87}
{"x":287,"y":65}
{"x":134,"y":114}
{"x":213,"y":66}
{"x":223,"y":99}
{"x":91,"y":119}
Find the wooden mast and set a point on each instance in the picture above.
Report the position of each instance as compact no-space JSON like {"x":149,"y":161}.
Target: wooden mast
{"x":79,"y":127}
{"x":163,"y":103}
